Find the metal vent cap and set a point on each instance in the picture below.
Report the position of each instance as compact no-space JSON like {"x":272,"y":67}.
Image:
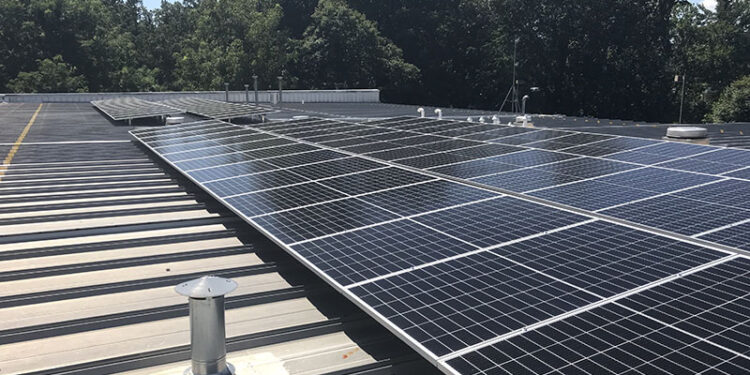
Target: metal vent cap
{"x":206,"y":286}
{"x":689,"y":132}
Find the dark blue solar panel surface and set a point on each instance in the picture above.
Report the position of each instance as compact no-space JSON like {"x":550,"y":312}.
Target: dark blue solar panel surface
{"x":607,"y":340}
{"x":503,"y":219}
{"x":370,"y":181}
{"x":328,"y":218}
{"x":534,"y":271}
{"x":284,"y":198}
{"x":592,"y":195}
{"x":742,"y":173}
{"x":380,"y":250}
{"x":679,"y":214}
{"x":526,"y":180}
{"x":732,"y":193}
{"x":655,"y":179}
{"x":737,"y":236}
{"x":430,"y":196}
{"x":607,"y":259}
{"x":453,"y":305}
{"x":713,"y":304}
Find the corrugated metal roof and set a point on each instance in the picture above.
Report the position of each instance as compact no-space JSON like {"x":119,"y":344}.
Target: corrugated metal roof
{"x":93,"y":238}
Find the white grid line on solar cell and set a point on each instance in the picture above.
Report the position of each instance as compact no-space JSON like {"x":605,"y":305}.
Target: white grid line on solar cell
{"x":616,"y":137}
{"x":459,"y":256}
{"x":170,"y":142}
{"x":229,"y":142}
{"x":260,"y":175}
{"x":183,"y":131}
{"x":329,"y":201}
{"x":658,"y":195}
{"x":633,"y":225}
{"x":150,"y":131}
{"x":603,"y":301}
{"x":400,"y":217}
{"x":731,"y":289}
{"x":599,"y":338}
{"x":732,"y":225}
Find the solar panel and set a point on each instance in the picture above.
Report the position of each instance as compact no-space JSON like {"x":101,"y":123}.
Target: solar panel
{"x":128,"y":108}
{"x":216,"y":109}
{"x":475,"y":280}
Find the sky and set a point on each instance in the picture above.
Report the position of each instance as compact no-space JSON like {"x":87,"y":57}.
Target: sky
{"x":710,"y":4}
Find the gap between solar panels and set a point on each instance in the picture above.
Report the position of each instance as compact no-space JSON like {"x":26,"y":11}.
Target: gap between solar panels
{"x":438,"y":240}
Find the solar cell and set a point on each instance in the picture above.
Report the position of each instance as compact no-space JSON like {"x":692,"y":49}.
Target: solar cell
{"x":348,"y":142}
{"x":531,"y":137}
{"x":587,"y":167}
{"x":448,"y":145}
{"x":592,"y":195}
{"x":254,"y":182}
{"x":126,"y":108}
{"x":568,"y":141}
{"x":712,"y":304}
{"x":698,"y":165}
{"x":678,"y":214}
{"x":394,"y":135}
{"x":610,"y":146}
{"x":230,"y":170}
{"x":487,"y":150}
{"x":525,"y":180}
{"x":474,"y":168}
{"x":335,"y":167}
{"x":639,"y":157}
{"x":371,"y":147}
{"x":400,"y":153}
{"x":532,"y":158}
{"x":655,"y":179}
{"x":268,"y":201}
{"x":380,"y":250}
{"x":413,"y":139}
{"x":607,"y":340}
{"x":733,"y":193}
{"x":312,"y":222}
{"x":737,"y":236}
{"x":296,"y":160}
{"x":499,"y":132}
{"x":675,"y":150}
{"x":455,"y":304}
{"x":216,"y":109}
{"x":430,"y":196}
{"x":607,"y":259}
{"x":743,"y":173}
{"x":492,"y":222}
{"x":433,"y":160}
{"x":370,"y":181}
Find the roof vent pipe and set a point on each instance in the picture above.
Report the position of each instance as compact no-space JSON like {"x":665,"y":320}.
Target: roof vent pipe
{"x":421,"y":111}
{"x":496,"y":120}
{"x":481,"y":119}
{"x":207,"y":333}
{"x":469,"y":119}
{"x":439,"y":113}
{"x":686,"y":132}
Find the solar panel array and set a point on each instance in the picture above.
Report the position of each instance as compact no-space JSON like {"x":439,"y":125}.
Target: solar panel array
{"x":132,"y":108}
{"x":216,"y":109}
{"x":495,"y":249}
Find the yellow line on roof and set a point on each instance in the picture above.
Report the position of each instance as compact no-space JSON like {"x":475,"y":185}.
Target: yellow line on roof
{"x":17,"y":145}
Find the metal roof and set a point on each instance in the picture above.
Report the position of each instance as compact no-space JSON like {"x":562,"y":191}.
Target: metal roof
{"x":94,"y":236}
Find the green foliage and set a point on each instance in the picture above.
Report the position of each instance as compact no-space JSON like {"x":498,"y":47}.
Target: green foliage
{"x":52,"y":75}
{"x":613,"y":58}
{"x":343,"y":49}
{"x":734,"y":103}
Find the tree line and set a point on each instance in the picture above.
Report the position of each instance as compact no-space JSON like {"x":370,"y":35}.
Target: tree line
{"x":603,"y":58}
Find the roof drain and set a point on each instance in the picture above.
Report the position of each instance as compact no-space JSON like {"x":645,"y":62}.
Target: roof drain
{"x":208,"y":348}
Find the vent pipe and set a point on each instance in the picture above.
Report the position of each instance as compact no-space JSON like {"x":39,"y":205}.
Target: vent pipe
{"x":439,"y":112}
{"x":247,"y":93}
{"x":481,"y":119}
{"x":255,"y":87}
{"x":469,"y":119}
{"x":226,"y":91}
{"x":281,"y":90}
{"x":421,"y":111}
{"x":496,"y":120}
{"x":208,"y":348}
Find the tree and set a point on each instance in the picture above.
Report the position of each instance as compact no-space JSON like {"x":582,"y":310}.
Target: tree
{"x":734,"y":103}
{"x":52,"y":75}
{"x":343,"y":49}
